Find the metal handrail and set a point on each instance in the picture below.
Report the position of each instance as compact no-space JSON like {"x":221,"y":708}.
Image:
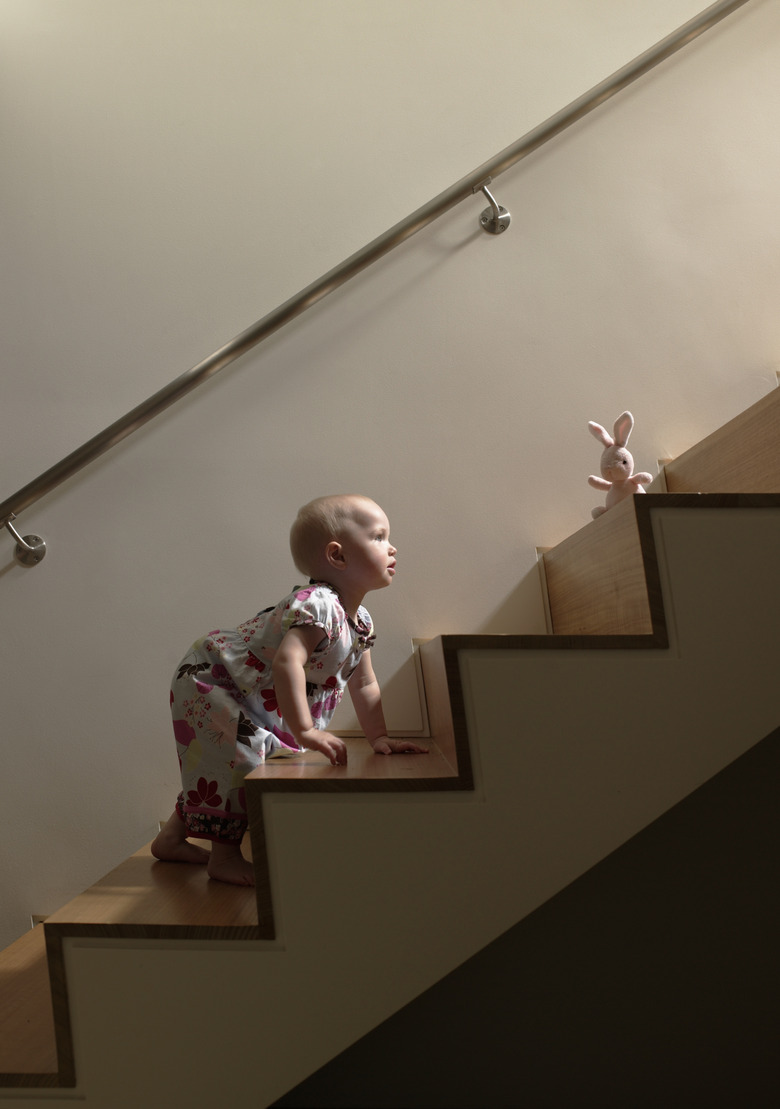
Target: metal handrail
{"x":380,"y":246}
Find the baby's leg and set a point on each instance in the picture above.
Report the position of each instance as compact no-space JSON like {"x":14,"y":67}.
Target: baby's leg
{"x":171,"y":844}
{"x":227,"y":864}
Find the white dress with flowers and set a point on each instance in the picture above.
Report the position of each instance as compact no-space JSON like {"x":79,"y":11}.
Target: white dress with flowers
{"x":225,"y":717}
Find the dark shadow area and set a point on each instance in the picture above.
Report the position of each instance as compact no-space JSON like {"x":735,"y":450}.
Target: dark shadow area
{"x":649,"y":983}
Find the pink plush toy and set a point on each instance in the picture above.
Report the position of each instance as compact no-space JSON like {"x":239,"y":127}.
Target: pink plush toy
{"x":617,"y":465}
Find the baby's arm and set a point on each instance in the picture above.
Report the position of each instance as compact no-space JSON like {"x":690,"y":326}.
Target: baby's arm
{"x":367,"y":699}
{"x":289,"y":676}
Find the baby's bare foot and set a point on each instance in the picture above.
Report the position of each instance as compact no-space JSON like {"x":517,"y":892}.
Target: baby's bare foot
{"x":171,"y":845}
{"x":179,"y":852}
{"x":227,"y":864}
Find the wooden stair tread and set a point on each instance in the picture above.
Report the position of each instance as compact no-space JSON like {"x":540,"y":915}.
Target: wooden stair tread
{"x":363,"y":767}
{"x":148,"y":898}
{"x":27,"y":1041}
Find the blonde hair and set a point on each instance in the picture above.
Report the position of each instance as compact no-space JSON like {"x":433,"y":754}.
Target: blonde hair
{"x":319,"y":522}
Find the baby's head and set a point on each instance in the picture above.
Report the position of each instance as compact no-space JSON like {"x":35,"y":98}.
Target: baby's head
{"x":320,"y":522}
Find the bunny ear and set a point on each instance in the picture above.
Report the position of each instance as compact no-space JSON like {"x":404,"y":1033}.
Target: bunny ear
{"x":623,"y":427}
{"x":600,"y":433}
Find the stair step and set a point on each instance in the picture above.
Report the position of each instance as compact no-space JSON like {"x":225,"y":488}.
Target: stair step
{"x":601,"y":580}
{"x":743,"y":456}
{"x":146,"y":899}
{"x":142,"y":899}
{"x":445,"y":766}
{"x":596,"y":580}
{"x":27,"y":1040}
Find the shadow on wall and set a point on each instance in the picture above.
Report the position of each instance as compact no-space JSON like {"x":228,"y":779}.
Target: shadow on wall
{"x":521,"y":612}
{"x":404,"y":699}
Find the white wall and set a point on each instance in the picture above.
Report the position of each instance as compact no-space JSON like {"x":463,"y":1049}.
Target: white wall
{"x":178,"y":170}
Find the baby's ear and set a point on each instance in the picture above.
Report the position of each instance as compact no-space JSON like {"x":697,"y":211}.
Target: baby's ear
{"x":334,"y":554}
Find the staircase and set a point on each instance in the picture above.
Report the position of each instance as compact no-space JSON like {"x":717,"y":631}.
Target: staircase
{"x":376,"y":880}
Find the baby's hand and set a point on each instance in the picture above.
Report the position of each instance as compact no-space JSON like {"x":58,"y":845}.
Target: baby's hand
{"x":385,"y":746}
{"x":331,"y":746}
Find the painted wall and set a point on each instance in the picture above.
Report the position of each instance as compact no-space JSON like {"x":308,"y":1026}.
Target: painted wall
{"x":181,"y":168}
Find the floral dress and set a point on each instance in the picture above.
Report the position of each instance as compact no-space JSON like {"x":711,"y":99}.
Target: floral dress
{"x":226,"y":720}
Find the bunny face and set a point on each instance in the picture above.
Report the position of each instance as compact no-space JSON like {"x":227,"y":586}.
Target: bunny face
{"x":617,"y":464}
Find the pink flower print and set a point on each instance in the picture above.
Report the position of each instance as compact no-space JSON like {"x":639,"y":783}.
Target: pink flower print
{"x":218,"y":671}
{"x":334,"y":697}
{"x":205,"y":795}
{"x":183,"y":732}
{"x":327,"y":703}
{"x":270,"y":703}
{"x":287,"y":740}
{"x":203,"y":688}
{"x":303,"y":594}
{"x":254,"y":662}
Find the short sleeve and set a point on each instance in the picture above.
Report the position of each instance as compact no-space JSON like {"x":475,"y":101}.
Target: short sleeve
{"x":364,"y":628}
{"x":318,"y":606}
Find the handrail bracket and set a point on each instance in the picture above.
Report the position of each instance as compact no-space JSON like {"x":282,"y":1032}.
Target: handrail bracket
{"x":494,"y":219}
{"x":30,"y":549}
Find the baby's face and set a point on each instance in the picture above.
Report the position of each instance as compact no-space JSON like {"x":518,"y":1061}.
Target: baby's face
{"x":370,"y":556}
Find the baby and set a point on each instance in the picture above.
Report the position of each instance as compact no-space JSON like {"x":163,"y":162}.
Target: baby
{"x":269,"y":688}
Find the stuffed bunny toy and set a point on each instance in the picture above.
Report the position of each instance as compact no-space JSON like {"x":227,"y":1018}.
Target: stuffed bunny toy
{"x":617,"y":464}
